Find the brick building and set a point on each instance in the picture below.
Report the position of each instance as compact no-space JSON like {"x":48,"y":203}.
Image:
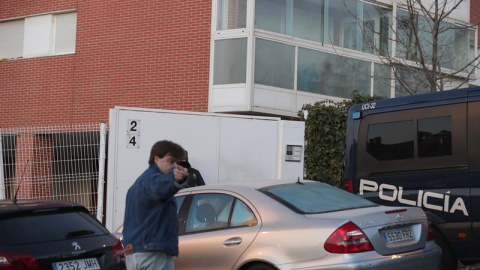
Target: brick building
{"x":128,"y":53}
{"x":81,"y":58}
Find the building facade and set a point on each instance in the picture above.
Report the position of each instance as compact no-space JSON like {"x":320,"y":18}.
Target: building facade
{"x":71,"y":61}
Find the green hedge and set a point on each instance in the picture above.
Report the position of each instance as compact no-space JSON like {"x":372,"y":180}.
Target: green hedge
{"x":325,"y":129}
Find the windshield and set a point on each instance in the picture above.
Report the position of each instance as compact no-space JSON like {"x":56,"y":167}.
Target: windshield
{"x":312,"y":198}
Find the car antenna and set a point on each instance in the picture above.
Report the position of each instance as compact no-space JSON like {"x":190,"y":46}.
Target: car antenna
{"x":298,"y":181}
{"x":20,"y":184}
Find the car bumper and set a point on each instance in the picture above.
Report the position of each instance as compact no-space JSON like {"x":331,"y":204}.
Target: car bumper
{"x":426,"y":258}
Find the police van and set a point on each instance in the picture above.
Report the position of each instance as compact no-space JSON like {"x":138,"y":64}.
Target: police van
{"x":422,"y":150}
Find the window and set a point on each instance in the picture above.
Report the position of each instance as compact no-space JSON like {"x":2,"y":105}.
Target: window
{"x":299,"y":18}
{"x":230,"y":61}
{"x":11,"y":43}
{"x":452,"y":41}
{"x":65,"y":33}
{"x":308,"y":19}
{"x":271,"y":15}
{"x":274,"y":63}
{"x":232,"y":14}
{"x":315,"y":198}
{"x":242,"y":215}
{"x":179,"y":200}
{"x":49,"y":226}
{"x":215,"y":211}
{"x":428,"y":138}
{"x":36,"y":36}
{"x":382,"y":80}
{"x":434,"y":137}
{"x":390,"y":141}
{"x":358,"y":26}
{"x":332,"y":75}
{"x":411,"y":81}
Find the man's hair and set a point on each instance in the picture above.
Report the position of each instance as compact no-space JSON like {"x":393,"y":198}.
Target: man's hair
{"x":162,"y":148}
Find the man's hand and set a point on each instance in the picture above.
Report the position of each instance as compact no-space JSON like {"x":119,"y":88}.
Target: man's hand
{"x":180,"y":173}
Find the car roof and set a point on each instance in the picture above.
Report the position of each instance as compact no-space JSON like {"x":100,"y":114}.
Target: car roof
{"x":8,"y":206}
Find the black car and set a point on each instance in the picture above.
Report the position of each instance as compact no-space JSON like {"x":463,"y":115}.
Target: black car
{"x":48,"y":234}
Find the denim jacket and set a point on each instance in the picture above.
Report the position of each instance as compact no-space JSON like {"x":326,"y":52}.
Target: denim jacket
{"x":150,"y":222}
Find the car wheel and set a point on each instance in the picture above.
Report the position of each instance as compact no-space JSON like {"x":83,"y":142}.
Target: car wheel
{"x":448,"y":261}
{"x":261,"y":266}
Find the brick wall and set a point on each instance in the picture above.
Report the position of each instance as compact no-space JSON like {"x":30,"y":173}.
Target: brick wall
{"x":475,"y":11}
{"x":152,"y":54}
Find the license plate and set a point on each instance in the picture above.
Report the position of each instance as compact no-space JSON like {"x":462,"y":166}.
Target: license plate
{"x":398,"y":235}
{"x":84,"y":264}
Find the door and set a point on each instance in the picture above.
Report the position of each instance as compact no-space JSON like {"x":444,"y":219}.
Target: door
{"x":217,"y":230}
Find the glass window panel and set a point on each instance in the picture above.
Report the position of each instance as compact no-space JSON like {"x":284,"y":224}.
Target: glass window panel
{"x":377,"y":32}
{"x":316,"y":198}
{"x":461,"y":47}
{"x":49,"y":226}
{"x":382,"y":81}
{"x":358,"y":26}
{"x":424,"y":26}
{"x":332,"y":75}
{"x":453,"y":41}
{"x":453,"y":46}
{"x":179,"y":200}
{"x":206,"y":212}
{"x":410,"y":81}
{"x":343,"y":29}
{"x":471,"y":50}
{"x":271,"y":15}
{"x":274,"y":63}
{"x":390,"y":141}
{"x":308,"y":19}
{"x":405,"y":35}
{"x":242,"y":215}
{"x":231,"y":14}
{"x":435,"y":137}
{"x":230,"y":61}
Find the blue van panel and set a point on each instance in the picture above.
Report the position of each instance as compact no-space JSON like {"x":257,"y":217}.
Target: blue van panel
{"x":451,"y":196}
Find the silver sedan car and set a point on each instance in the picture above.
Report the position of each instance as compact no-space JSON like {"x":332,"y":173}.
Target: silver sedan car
{"x":298,"y":225}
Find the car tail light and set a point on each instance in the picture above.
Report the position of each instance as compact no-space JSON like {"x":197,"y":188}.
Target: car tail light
{"x":349,"y":238}
{"x":118,"y":249}
{"x":348,"y":185}
{"x":431,"y":231}
{"x":17,"y":261}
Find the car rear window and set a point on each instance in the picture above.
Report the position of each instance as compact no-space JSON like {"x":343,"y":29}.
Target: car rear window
{"x":312,"y":198}
{"x":48,"y":226}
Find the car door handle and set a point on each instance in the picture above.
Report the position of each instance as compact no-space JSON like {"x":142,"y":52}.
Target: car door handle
{"x":235,"y":241}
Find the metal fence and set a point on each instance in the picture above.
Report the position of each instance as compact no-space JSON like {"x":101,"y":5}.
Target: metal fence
{"x":62,"y":162}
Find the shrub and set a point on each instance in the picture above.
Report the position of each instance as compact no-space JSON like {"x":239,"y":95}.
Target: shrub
{"x":325,"y":130}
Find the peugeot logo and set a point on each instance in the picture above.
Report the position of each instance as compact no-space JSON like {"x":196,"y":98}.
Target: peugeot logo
{"x":399,"y":217}
{"x":76,"y":246}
